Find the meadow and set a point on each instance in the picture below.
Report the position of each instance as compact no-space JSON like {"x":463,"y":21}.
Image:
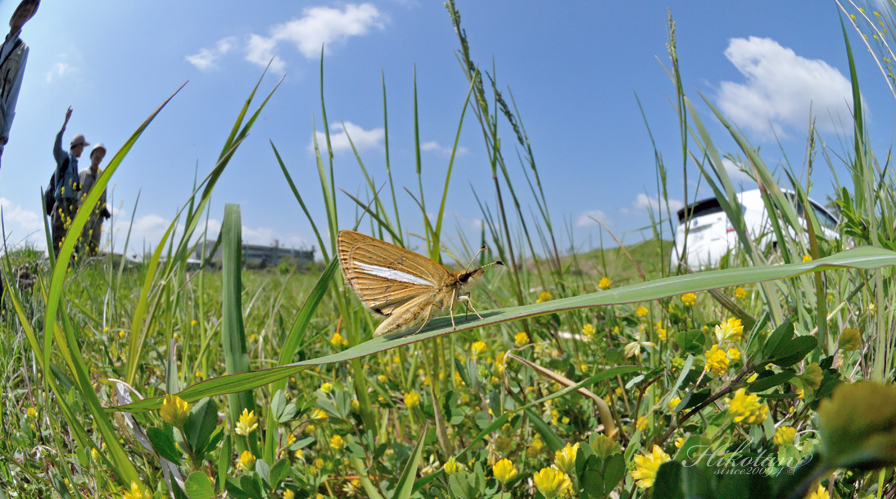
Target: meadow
{"x":601,"y":374}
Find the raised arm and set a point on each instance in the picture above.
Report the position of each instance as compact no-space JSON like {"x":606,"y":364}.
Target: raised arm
{"x":58,"y":153}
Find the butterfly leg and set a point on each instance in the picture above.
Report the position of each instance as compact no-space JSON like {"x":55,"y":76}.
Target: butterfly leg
{"x":469,"y":303}
{"x":451,"y":309}
{"x":428,"y":314}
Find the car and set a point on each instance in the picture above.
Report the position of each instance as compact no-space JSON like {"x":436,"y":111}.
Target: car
{"x":710,"y":235}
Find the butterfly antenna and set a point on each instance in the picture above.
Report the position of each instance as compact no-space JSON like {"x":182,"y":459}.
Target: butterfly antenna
{"x":474,"y":258}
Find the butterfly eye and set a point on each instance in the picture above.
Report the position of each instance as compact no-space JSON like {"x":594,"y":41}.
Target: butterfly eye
{"x":464,"y":277}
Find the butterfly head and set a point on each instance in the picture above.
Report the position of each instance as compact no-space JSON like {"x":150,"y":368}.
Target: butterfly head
{"x":468,"y":278}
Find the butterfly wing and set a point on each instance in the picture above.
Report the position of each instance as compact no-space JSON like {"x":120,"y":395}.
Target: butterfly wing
{"x":384,"y":276}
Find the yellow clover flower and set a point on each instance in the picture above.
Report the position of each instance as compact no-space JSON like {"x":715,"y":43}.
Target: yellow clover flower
{"x":247,"y":423}
{"x":730,"y":330}
{"x":733,"y":354}
{"x":716,"y":361}
{"x":747,"y":409}
{"x":411,"y":399}
{"x":288,"y":494}
{"x":534,"y":448}
{"x":32,"y":413}
{"x":552,"y":483}
{"x":326,"y":387}
{"x":647,"y":466}
{"x":820,"y":493}
{"x":174,"y":410}
{"x":642,"y":311}
{"x":674,"y":403}
{"x":689,"y":299}
{"x":451,"y":467}
{"x":785,"y":435}
{"x":740,"y":293}
{"x":565,"y":458}
{"x":807,"y":258}
{"x":504,"y":471}
{"x":338,"y":341}
{"x":521,"y":339}
{"x":477,"y":348}
{"x":318,"y":414}
{"x":337,"y":442}
{"x":543,"y":297}
{"x":247,"y":461}
{"x":136,"y":492}
{"x":604,"y":283}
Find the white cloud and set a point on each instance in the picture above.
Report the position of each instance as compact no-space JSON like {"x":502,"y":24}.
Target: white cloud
{"x":207,"y":59}
{"x":780,"y":89}
{"x":260,"y":51}
{"x":149,"y":229}
{"x":592,"y":217}
{"x":434,"y":146}
{"x":15,"y":217}
{"x":340,"y":134}
{"x":645,"y":202}
{"x":319,"y":27}
{"x":58,"y":70}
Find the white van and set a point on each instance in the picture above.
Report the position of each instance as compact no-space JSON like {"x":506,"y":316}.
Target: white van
{"x":710,"y":235}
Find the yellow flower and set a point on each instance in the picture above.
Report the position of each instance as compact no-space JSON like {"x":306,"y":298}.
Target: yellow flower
{"x":674,"y":403}
{"x":318,"y":414}
{"x":641,"y":423}
{"x":247,"y":461}
{"x":689,"y":299}
{"x":288,"y":494}
{"x":752,"y":378}
{"x":174,"y":410}
{"x":121,"y":334}
{"x":451,"y":467}
{"x":247,"y":423}
{"x":807,"y":258}
{"x":521,"y":339}
{"x":411,"y":399}
{"x":32,"y":413}
{"x":716,"y":361}
{"x":326,"y":387}
{"x":318,"y":463}
{"x":747,"y":409}
{"x":504,"y":471}
{"x":647,"y":465}
{"x":136,"y":492}
{"x":534,"y":448}
{"x":588,"y":332}
{"x":679,"y":442}
{"x":310,"y":429}
{"x":642,"y":312}
{"x":565,"y":458}
{"x":785,"y":435}
{"x":820,"y":493}
{"x":338,"y":341}
{"x":733,"y":354}
{"x":543,"y":297}
{"x":730,"y":330}
{"x":604,"y":283}
{"x":337,"y":442}
{"x":850,"y":339}
{"x":552,"y":483}
{"x":355,"y":405}
{"x":477,"y":348}
{"x":740,"y":293}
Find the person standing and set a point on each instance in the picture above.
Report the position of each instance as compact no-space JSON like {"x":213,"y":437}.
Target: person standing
{"x":13,"y":56}
{"x":86,"y":178}
{"x":65,"y":183}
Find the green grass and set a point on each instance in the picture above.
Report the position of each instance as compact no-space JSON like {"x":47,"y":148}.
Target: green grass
{"x":316,"y":407}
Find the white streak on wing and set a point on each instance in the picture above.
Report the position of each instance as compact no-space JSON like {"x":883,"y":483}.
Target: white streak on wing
{"x":395,"y":275}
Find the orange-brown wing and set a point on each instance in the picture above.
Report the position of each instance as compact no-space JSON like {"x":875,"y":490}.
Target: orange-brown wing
{"x":385,"y":276}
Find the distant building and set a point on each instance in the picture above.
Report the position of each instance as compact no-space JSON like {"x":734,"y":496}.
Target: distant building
{"x":259,"y":255}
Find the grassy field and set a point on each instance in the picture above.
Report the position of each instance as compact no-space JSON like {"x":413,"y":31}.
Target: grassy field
{"x":600,"y":374}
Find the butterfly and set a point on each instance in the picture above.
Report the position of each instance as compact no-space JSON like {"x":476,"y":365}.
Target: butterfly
{"x":400,"y":285}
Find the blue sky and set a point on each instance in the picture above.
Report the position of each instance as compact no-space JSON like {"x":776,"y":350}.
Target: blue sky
{"x":574,"y":68}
